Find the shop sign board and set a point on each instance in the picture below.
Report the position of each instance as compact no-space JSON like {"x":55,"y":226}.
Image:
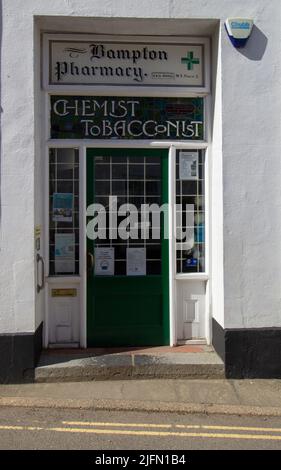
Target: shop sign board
{"x":112,"y":117}
{"x":180,"y":62}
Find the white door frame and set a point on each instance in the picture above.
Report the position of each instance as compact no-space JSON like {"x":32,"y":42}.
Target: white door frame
{"x":82,"y":278}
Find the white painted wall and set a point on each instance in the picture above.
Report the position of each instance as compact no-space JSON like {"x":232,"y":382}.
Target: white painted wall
{"x":251,"y":132}
{"x":216,"y":184}
{"x":247,"y":278}
{"x":17,"y":294}
{"x":39,"y":171}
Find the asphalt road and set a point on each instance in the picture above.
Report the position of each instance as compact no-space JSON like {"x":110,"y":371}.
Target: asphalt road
{"x":25,"y":428}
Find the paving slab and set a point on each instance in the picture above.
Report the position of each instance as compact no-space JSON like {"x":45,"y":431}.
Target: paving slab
{"x":245,"y":397}
{"x":253,"y":392}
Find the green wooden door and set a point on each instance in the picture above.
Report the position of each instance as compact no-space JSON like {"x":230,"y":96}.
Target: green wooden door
{"x":128,"y":302}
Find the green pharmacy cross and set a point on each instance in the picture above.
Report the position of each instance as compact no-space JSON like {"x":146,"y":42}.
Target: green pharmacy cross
{"x":189,"y":60}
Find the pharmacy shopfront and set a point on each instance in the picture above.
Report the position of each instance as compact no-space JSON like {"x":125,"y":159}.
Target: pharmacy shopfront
{"x":140,"y":180}
{"x":127,"y":153}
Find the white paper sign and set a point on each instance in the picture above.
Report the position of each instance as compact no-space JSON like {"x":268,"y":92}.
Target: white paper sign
{"x":188,"y":165}
{"x":104,"y":261}
{"x":64,"y":253}
{"x":136,"y":261}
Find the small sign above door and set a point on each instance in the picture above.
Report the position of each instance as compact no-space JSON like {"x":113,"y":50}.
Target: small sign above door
{"x":150,"y":62}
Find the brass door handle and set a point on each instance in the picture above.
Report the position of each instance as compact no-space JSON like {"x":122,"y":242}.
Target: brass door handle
{"x":90,"y":263}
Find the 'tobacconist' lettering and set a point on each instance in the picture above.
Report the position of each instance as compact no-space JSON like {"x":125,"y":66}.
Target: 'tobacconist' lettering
{"x":136,"y":128}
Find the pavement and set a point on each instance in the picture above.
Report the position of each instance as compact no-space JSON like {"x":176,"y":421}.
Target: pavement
{"x":200,"y":396}
{"x":185,"y":379}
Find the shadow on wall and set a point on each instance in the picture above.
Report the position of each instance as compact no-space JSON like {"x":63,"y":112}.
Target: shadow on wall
{"x":256,"y":45}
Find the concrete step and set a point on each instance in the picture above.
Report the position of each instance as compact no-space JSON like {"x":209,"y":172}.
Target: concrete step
{"x":75,"y":367}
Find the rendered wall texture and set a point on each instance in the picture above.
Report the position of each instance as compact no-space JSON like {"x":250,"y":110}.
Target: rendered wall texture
{"x":247,"y":121}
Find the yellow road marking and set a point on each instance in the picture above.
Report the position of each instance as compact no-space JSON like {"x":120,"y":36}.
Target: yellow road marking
{"x":129,"y":425}
{"x":21,"y":428}
{"x":230,"y":428}
{"x":144,"y":433}
{"x":169,"y":426}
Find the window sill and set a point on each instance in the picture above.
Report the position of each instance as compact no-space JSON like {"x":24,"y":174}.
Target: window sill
{"x":192,"y":277}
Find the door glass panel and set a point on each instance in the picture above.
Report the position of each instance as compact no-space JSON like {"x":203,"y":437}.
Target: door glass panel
{"x":152,"y":188}
{"x":190,"y":214}
{"x":119,"y":187}
{"x":63,"y":211}
{"x":132,"y":180}
{"x":102,"y":187}
{"x":153,"y":172}
{"x":119,"y":171}
{"x":102,"y":172}
{"x":136,"y":172}
{"x":136,"y":188}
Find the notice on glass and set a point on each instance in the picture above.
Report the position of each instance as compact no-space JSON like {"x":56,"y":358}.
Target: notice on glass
{"x":136,"y":261}
{"x":62,"y":207}
{"x":188,"y":165}
{"x":64,"y":253}
{"x":104,"y":261}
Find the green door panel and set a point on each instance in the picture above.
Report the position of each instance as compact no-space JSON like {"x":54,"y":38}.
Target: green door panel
{"x":128,"y":310}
